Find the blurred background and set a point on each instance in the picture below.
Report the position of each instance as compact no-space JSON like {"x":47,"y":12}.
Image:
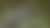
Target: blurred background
{"x":24,"y":14}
